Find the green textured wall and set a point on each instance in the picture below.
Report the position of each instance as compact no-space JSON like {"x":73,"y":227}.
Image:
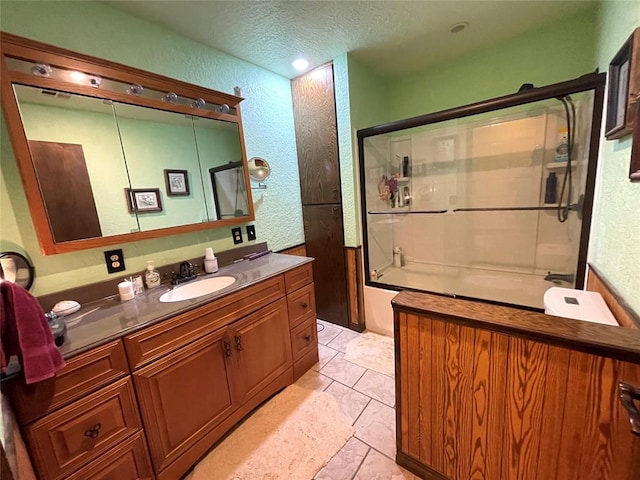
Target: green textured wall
{"x":97,"y":29}
{"x":616,"y":222}
{"x":552,"y":53}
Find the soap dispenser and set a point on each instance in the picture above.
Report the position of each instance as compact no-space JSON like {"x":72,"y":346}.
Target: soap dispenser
{"x":151,"y":276}
{"x":210,"y":261}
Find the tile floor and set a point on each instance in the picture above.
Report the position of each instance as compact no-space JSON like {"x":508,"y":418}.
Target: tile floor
{"x":367,"y":399}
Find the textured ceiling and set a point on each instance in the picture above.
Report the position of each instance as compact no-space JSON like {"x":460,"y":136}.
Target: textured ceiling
{"x":393,"y":38}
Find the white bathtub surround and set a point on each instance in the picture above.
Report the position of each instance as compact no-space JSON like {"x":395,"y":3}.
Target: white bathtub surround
{"x":377,"y":309}
{"x":281,"y":440}
{"x":372,"y":351}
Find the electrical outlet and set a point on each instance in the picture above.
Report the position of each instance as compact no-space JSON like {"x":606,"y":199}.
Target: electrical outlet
{"x":236,"y":233}
{"x":114,"y":260}
{"x":251,"y":232}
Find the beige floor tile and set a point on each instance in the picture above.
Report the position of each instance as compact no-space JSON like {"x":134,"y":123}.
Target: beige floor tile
{"x":313,"y":380}
{"x":350,"y":402}
{"x":327,"y":332}
{"x":378,"y":467}
{"x":340,"y":342}
{"x":325,"y":354}
{"x":377,"y":427}
{"x":378,"y":386}
{"x":342,"y":371}
{"x":345,"y":463}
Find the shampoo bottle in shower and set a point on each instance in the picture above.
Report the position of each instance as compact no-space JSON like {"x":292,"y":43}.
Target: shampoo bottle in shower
{"x":562,"y":149}
{"x":551,"y":189}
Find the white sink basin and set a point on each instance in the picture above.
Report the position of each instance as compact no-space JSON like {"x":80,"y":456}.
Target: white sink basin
{"x":197,"y":289}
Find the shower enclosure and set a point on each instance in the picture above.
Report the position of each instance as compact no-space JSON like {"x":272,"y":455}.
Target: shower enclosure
{"x":489,"y":201}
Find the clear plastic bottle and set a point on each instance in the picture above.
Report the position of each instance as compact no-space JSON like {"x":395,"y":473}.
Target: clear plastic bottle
{"x":562,"y":149}
{"x":151,"y":276}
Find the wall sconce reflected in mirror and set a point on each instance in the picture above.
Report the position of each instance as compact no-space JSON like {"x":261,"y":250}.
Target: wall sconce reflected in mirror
{"x":170,"y":97}
{"x":224,"y":108}
{"x":41,"y":70}
{"x":259,"y":171}
{"x":135,"y":89}
{"x":198,"y":103}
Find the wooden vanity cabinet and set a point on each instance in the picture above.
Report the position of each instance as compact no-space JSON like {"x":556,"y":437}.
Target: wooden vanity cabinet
{"x":172,"y":389}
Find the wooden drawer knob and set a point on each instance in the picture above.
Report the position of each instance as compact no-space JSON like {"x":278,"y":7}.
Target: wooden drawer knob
{"x":93,"y":431}
{"x":304,"y":305}
{"x":307,"y":338}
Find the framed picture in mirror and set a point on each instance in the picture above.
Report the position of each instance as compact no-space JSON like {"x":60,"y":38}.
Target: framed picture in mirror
{"x":623,"y":86}
{"x":144,"y":200}
{"x":177,"y":182}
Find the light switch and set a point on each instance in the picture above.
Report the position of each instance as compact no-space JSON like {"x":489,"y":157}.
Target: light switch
{"x":251,"y":232}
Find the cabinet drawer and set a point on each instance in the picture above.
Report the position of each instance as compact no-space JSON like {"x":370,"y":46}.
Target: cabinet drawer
{"x":301,"y":304}
{"x":298,"y":277}
{"x":82,"y":374}
{"x":127,"y":461}
{"x":78,"y":433}
{"x":304,"y":338}
{"x":158,"y":340}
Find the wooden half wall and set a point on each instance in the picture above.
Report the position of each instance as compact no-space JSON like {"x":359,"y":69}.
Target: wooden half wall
{"x":624,"y":314}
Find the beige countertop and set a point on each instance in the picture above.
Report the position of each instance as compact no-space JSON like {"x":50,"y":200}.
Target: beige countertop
{"x":104,"y":320}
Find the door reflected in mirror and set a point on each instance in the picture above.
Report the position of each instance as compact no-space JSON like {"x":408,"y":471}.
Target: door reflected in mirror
{"x":229,"y":190}
{"x":78,"y":161}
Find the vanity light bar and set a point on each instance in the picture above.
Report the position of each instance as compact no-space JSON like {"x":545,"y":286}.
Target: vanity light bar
{"x":80,"y":78}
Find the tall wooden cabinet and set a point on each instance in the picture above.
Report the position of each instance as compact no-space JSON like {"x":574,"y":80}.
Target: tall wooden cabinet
{"x":314,"y":113}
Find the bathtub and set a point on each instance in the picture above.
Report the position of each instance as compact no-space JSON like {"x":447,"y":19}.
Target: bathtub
{"x":516,"y":288}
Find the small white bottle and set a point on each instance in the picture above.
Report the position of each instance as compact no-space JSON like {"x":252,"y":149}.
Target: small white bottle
{"x":210,"y":261}
{"x":397,"y":257}
{"x":151,"y":276}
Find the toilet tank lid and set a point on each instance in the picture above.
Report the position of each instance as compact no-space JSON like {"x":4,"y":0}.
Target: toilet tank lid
{"x":578,"y":304}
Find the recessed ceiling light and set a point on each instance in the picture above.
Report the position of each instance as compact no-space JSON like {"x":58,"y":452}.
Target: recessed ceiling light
{"x":458,"y":27}
{"x":300,"y":64}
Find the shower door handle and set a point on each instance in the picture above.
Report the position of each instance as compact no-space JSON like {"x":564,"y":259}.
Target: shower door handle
{"x":628,"y":395}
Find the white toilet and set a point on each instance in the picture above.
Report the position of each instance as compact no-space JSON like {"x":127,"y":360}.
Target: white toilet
{"x":578,"y":304}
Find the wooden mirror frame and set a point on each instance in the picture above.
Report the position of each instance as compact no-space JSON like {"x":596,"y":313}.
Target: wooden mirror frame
{"x":31,"y":51}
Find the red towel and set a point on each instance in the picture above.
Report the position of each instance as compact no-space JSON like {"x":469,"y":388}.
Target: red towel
{"x":26,"y":333}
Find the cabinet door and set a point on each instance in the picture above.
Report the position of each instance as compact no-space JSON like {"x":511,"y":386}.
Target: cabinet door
{"x":183,"y":396}
{"x":314,"y":113}
{"x":323,"y":234}
{"x":261,"y":349}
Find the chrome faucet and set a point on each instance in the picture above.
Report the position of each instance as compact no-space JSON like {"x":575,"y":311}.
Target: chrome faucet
{"x":187,"y":273}
{"x":559,"y":277}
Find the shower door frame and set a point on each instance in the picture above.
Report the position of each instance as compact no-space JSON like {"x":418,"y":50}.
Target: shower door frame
{"x":584,"y":83}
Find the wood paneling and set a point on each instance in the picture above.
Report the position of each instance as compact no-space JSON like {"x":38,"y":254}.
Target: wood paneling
{"x":299,"y":250}
{"x":61,"y":168}
{"x":578,"y":335}
{"x":482,"y":405}
{"x":323,"y":231}
{"x":623,"y":313}
{"x":314,"y":113}
{"x":355,"y":288}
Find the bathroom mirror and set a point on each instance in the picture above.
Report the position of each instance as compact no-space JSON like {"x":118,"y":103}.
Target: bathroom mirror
{"x":15,"y":268}
{"x":259,"y":169}
{"x":87,"y":133}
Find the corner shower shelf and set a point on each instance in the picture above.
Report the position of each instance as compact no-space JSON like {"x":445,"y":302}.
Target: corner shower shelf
{"x":403,"y":212}
{"x":562,"y":166}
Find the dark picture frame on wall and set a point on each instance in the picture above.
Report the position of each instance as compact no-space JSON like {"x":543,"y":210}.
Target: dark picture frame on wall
{"x":623,"y":85}
{"x":143,"y":200}
{"x":177,"y":182}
